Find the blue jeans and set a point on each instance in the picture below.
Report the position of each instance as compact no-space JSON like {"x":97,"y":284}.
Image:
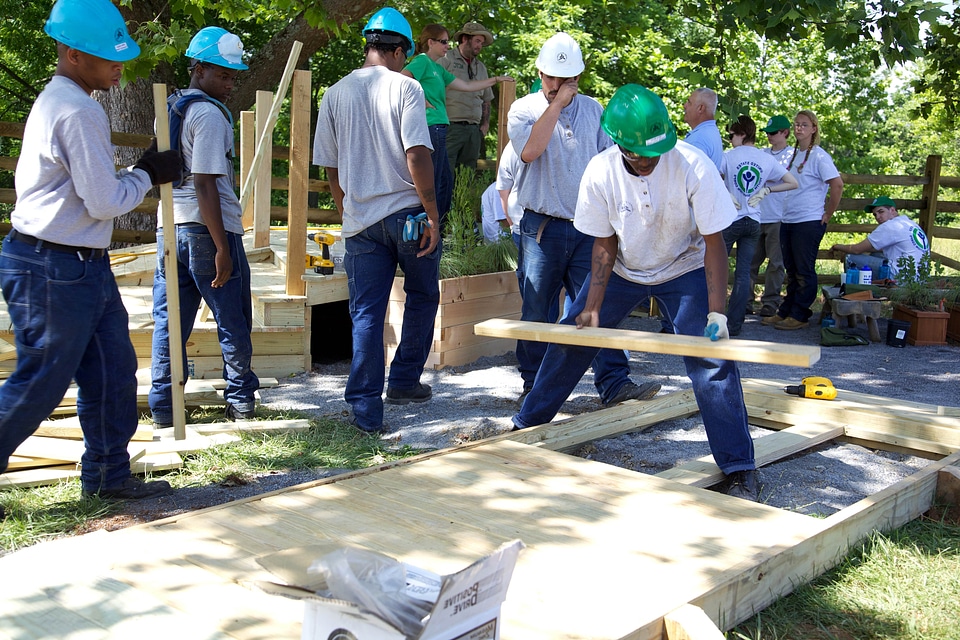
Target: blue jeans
{"x":371,"y":261}
{"x":716,"y":383}
{"x":555,"y":308}
{"x":799,"y":243}
{"x":231,"y":307}
{"x":745,"y":232}
{"x":561,"y":258}
{"x":442,"y":174}
{"x":70,"y":324}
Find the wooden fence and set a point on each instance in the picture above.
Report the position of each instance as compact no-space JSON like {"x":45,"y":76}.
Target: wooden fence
{"x":930,"y":202}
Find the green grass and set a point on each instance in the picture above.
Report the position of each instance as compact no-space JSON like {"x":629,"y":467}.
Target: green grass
{"x":901,"y":585}
{"x":44,"y":513}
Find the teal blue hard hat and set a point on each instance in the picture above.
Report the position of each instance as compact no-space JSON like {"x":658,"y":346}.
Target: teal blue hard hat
{"x":637,"y":120}
{"x":389,"y":27}
{"x":92,"y":26}
{"x":214,"y":45}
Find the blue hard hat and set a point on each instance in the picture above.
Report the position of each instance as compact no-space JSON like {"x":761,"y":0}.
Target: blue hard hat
{"x":92,"y":26}
{"x":390,"y":23}
{"x":214,"y":45}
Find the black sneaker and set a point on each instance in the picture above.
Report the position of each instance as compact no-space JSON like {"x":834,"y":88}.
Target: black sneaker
{"x":742,"y":484}
{"x":233,"y":414}
{"x":632,"y":391}
{"x":767,"y":311}
{"x":420,"y":393}
{"x":523,"y":395}
{"x":133,"y":488}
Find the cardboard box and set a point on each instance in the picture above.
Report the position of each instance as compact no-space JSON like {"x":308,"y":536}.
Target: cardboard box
{"x":466,"y":603}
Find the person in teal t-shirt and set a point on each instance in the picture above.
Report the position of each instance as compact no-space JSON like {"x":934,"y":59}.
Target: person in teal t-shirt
{"x":433,"y":45}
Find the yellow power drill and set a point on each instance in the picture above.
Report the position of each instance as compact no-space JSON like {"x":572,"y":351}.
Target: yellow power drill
{"x":813,"y":387}
{"x":322,"y":265}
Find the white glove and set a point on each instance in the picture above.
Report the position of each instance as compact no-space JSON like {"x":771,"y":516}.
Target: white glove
{"x":736,"y":202}
{"x":758,"y":196}
{"x":716,"y":327}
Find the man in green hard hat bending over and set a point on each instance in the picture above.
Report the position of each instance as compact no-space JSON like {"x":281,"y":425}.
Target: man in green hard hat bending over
{"x":656,"y":208}
{"x":69,"y":320}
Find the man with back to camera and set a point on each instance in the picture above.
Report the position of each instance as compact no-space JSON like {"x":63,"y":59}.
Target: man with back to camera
{"x":897,"y":236}
{"x":389,"y":211}
{"x":212,"y":263}
{"x":69,"y":320}
{"x":656,"y":210}
{"x":468,"y":111}
{"x":556,"y":131}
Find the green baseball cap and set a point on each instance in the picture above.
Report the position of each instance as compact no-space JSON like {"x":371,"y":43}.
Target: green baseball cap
{"x":882,"y":201}
{"x":777,"y":123}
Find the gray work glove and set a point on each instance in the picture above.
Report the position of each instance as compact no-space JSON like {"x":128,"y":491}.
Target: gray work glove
{"x":755,"y":199}
{"x":716,"y":327}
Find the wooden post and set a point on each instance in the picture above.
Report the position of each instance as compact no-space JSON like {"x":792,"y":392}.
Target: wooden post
{"x":931,"y":189}
{"x":508,"y":94}
{"x":248,"y":148}
{"x":263,"y":173}
{"x":175,"y":335}
{"x":299,"y":178}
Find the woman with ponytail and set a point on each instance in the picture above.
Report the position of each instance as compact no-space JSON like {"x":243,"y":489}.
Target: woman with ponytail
{"x":807,"y":210}
{"x":431,"y":46}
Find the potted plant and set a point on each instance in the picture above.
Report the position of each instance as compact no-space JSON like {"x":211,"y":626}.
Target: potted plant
{"x":920,"y":297}
{"x":478,"y":281}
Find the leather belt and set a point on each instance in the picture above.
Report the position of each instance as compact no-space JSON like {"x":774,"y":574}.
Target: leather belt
{"x":84,"y":253}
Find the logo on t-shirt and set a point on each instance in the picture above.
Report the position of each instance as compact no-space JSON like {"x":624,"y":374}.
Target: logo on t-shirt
{"x":919,"y":238}
{"x":748,"y":178}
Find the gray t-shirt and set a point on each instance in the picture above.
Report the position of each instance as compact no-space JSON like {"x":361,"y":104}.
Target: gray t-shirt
{"x":68,"y":187}
{"x":367,"y":122}
{"x":206,"y":143}
{"x":550,"y":183}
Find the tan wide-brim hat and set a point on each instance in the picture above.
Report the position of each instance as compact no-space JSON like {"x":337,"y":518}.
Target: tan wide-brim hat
{"x":475,"y":29}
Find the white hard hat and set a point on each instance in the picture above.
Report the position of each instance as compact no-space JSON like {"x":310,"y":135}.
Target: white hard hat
{"x":560,"y":57}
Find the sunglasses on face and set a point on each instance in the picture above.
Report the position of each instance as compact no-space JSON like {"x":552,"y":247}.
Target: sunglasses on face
{"x":444,"y":41}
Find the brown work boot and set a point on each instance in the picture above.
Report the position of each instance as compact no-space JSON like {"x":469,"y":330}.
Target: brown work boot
{"x":772,"y":320}
{"x":791,"y":324}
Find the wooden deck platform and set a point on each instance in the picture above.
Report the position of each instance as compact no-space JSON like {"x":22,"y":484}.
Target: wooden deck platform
{"x":610,"y":552}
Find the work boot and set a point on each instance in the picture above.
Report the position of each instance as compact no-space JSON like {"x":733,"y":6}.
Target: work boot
{"x":133,"y":488}
{"x":772,"y":320}
{"x":631,"y":391}
{"x":234,"y":414}
{"x":768,"y":310}
{"x":741,"y":484}
{"x":791,"y":324}
{"x":420,"y":393}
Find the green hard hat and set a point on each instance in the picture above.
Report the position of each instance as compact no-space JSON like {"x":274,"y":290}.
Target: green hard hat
{"x":637,"y":120}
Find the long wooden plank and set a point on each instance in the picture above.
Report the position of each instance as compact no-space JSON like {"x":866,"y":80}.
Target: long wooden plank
{"x":858,"y":400}
{"x":739,"y":350}
{"x":704,"y":472}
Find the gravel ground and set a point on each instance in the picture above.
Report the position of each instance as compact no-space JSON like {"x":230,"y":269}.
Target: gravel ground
{"x":477,"y":400}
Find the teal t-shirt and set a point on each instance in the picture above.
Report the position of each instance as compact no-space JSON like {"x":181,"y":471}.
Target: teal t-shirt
{"x":434,"y":80}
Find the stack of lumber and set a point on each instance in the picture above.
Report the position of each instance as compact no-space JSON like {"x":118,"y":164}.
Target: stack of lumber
{"x":53,"y":453}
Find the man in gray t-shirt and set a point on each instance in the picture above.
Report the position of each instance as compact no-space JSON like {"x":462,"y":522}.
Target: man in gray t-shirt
{"x":373,"y":141}
{"x":211,"y":261}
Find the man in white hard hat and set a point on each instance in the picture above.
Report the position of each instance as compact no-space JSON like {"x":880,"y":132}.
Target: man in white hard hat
{"x":556,"y":132}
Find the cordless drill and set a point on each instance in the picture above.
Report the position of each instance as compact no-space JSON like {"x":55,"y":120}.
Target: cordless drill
{"x":813,"y":387}
{"x":323,"y":265}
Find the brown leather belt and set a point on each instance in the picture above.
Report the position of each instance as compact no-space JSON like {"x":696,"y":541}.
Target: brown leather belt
{"x":84,"y":253}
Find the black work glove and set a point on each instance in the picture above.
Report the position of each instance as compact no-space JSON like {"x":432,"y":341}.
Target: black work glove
{"x":162,"y":166}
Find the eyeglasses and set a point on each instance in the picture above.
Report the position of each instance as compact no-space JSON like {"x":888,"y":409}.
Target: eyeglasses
{"x":444,"y":41}
{"x":629,"y":155}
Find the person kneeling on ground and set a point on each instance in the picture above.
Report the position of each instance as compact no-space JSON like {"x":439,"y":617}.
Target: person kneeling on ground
{"x":636,"y":200}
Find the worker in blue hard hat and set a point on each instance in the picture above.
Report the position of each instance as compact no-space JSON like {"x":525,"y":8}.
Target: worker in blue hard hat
{"x":656,"y":209}
{"x":373,"y":141}
{"x":211,"y":261}
{"x":55,"y":272}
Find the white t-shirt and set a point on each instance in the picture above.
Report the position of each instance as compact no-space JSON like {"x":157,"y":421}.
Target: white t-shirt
{"x":807,"y":202}
{"x":491,"y":209}
{"x":366,"y":124}
{"x":746,"y":170}
{"x":508,"y":175}
{"x":660,"y":219}
{"x":898,"y":237}
{"x":771,"y":207}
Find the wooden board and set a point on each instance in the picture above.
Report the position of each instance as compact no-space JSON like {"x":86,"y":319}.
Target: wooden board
{"x":739,"y":350}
